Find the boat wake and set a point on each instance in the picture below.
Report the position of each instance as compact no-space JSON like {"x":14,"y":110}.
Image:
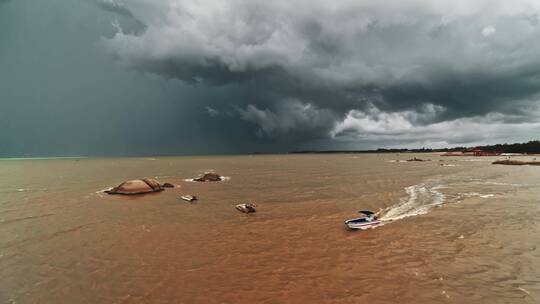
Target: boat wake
{"x":420,"y":199}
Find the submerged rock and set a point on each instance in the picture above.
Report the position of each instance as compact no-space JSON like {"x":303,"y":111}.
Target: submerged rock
{"x":417,"y":160}
{"x":167,"y":185}
{"x":510,"y":162}
{"x":209,"y":177}
{"x":246,"y":207}
{"x":137,"y":186}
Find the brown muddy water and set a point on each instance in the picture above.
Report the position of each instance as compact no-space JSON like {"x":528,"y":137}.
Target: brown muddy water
{"x":463,"y":232}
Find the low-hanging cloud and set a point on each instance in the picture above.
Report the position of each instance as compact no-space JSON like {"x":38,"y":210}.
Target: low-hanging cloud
{"x":310,"y":68}
{"x":291,"y":116}
{"x":396,"y":129}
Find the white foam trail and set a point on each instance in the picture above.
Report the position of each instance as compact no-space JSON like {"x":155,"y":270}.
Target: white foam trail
{"x":421,"y":198}
{"x":22,"y":190}
{"x":506,"y":184}
{"x":103,"y":190}
{"x":473,"y":194}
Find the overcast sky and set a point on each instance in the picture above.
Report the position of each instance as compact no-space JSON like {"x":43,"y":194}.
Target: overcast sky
{"x":149,"y":77}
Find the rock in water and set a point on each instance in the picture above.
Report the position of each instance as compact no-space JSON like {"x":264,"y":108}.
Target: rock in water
{"x":208,"y":177}
{"x":246,"y":208}
{"x":510,"y":162}
{"x":167,"y":185}
{"x":415,"y":159}
{"x":137,"y":186}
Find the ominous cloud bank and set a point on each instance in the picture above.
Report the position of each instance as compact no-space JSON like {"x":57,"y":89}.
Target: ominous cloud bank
{"x":393,"y":72}
{"x":204,"y":76}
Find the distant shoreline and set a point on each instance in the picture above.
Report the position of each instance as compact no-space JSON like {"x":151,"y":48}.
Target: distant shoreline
{"x":42,"y":158}
{"x":361,"y":151}
{"x":398,"y":152}
{"x":529,"y":148}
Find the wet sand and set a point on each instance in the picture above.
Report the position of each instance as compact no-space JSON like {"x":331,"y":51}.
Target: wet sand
{"x":465,"y":232}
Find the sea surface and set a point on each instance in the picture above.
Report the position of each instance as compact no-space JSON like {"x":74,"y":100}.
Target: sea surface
{"x":456,"y":230}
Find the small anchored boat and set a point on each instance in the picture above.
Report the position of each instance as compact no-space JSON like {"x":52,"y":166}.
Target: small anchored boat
{"x":246,"y":207}
{"x":370,"y":220}
{"x":189,"y":198}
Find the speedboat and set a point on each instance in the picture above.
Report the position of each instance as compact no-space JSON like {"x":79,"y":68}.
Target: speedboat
{"x":370,"y":220}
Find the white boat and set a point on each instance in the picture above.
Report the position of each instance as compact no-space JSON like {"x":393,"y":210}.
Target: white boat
{"x":246,"y":207}
{"x":189,"y":198}
{"x":369,"y":221}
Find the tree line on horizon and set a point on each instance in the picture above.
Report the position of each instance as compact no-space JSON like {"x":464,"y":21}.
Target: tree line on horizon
{"x":528,"y":147}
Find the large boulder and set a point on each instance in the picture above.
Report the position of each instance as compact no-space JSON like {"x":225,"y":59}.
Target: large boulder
{"x":208,"y":177}
{"x":137,"y":186}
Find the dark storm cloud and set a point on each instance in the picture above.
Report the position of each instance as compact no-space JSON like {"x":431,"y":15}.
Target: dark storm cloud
{"x":470,"y":93}
{"x":118,"y":8}
{"x":62,"y":95}
{"x":253,"y":75}
{"x":113,"y":6}
{"x":322,"y":62}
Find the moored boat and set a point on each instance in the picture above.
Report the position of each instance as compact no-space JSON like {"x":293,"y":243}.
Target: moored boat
{"x":189,"y":198}
{"x":246,"y":207}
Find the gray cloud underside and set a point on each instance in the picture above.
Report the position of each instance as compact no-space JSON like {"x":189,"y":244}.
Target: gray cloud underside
{"x":319,"y":71}
{"x":114,"y":7}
